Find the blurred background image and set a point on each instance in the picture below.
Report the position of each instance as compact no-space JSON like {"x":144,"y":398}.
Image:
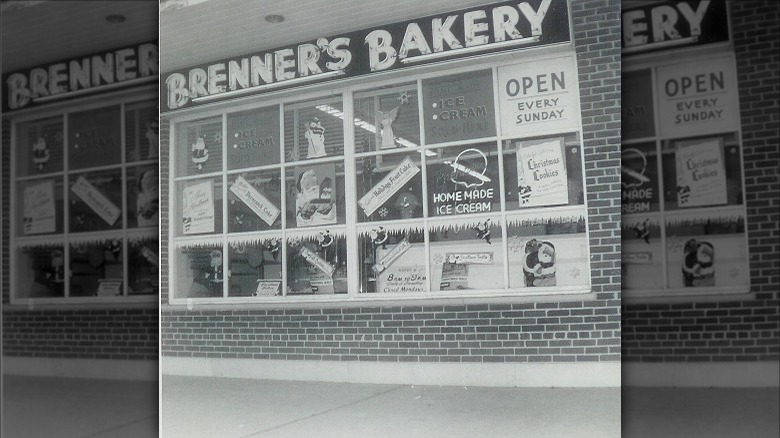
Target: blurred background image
{"x":699,"y":180}
{"x":80,"y":218}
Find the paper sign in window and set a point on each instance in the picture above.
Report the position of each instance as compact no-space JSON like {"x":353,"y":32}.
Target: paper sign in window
{"x":318,"y":262}
{"x":388,"y":186}
{"x":95,"y":200}
{"x":39,"y":210}
{"x":255,"y":200}
{"x":701,"y":176}
{"x":198,"y":208}
{"x":267,"y":288}
{"x":541,"y":173}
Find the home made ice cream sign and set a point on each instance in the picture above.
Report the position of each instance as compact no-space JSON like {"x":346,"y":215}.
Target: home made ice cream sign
{"x":447,"y":36}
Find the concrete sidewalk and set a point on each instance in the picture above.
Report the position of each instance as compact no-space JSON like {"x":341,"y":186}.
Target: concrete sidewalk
{"x":701,"y":412}
{"x":208,"y":407}
{"x":51,"y":407}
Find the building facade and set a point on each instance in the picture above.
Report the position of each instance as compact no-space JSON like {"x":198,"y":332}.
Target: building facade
{"x":700,"y":196}
{"x":80,"y":197}
{"x":432,"y":197}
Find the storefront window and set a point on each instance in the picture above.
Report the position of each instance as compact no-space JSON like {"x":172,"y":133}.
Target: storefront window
{"x":87,"y":204}
{"x":683,"y":202}
{"x":442,"y":196}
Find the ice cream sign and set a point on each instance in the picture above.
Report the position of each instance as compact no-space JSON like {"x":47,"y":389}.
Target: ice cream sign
{"x":463,"y":33}
{"x":697,"y":97}
{"x":538,"y":98}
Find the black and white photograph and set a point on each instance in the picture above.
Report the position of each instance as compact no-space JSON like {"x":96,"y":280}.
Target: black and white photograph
{"x":452,"y":218}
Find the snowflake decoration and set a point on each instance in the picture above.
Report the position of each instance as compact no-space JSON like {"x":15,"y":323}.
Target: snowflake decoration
{"x":383,"y":212}
{"x":404,"y":97}
{"x":218,"y":137}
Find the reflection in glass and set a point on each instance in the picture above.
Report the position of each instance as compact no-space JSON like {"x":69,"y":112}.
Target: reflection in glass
{"x":389,"y":187}
{"x":547,"y":250}
{"x":387,"y":118}
{"x":317,"y":263}
{"x":255,"y":267}
{"x":466,"y":254}
{"x":314,"y":129}
{"x":315,"y":194}
{"x":96,"y":201}
{"x":255,"y":200}
{"x":143,"y":265}
{"x":96,"y":268}
{"x":392,"y":259}
{"x":199,"y":270}
{"x":40,"y":271}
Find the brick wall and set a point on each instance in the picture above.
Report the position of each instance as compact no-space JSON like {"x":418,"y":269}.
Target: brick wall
{"x":746,"y":329}
{"x":83,"y":334}
{"x":499,"y":330}
{"x":68,"y":332}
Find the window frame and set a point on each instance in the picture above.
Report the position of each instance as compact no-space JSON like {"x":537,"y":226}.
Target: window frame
{"x":347,"y":88}
{"x":137,"y":95}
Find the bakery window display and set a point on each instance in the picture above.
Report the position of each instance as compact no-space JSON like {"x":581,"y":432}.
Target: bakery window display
{"x":86,"y":203}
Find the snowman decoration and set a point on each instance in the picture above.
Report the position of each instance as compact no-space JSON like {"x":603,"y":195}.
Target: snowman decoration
{"x":200,"y":154}
{"x":41,"y":153}
{"x":315,"y":134}
{"x":152,"y":129}
{"x":379,"y":237}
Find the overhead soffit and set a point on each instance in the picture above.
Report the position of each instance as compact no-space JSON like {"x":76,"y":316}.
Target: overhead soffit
{"x":212,"y":30}
{"x":36,"y":33}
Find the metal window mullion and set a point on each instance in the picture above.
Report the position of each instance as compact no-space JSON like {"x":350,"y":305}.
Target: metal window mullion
{"x":66,"y":204}
{"x":350,"y":195}
{"x":424,"y":165}
{"x":501,"y":183}
{"x":123,"y":145}
{"x":283,"y":196}
{"x":225,"y":246}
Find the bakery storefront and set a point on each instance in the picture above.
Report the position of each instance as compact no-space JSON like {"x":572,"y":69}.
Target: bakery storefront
{"x":699,"y":193}
{"x":83,"y":215}
{"x":351,"y":189}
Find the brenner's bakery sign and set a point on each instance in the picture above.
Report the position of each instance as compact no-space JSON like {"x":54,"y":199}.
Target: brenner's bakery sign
{"x":464,"y":33}
{"x":76,"y":77}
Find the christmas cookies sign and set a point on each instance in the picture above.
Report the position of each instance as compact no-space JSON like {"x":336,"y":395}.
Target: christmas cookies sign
{"x":541,"y":173}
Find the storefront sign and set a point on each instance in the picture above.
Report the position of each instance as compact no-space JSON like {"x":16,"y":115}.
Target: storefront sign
{"x":698,"y":97}
{"x":255,"y":200}
{"x":94,"y":138}
{"x":109,"y":288}
{"x":468,"y":183}
{"x":469,"y":258}
{"x":459,"y":107}
{"x":39,"y":210}
{"x":315,"y":196}
{"x":95,"y":200}
{"x":267,"y":288}
{"x":541,"y":173}
{"x":198,"y":208}
{"x":673,"y":24}
{"x":388,"y":186}
{"x":538,"y":98}
{"x":639,"y":179}
{"x":464,"y":33}
{"x":701,"y":175}
{"x":318,"y":262}
{"x":253,"y":138}
{"x":637,"y":112}
{"x":77,"y":77}
{"x":389,"y":258}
